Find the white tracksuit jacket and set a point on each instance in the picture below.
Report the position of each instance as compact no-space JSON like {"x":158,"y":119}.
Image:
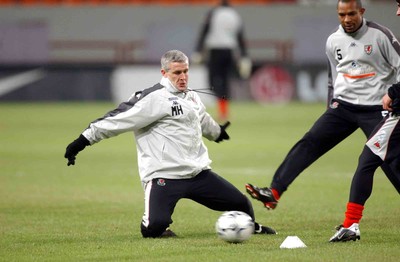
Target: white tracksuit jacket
{"x":363,"y":65}
{"x":168,"y":126}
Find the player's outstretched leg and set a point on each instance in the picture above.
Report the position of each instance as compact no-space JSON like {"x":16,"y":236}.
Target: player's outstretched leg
{"x":346,"y":234}
{"x":263,"y":194}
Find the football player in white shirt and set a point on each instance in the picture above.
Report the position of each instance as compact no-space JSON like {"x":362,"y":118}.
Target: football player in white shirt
{"x":364,"y":61}
{"x":382,"y":146}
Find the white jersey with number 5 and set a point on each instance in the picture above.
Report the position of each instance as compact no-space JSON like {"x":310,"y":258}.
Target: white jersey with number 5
{"x":362,"y":64}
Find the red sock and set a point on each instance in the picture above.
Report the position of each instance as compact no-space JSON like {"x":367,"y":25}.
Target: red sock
{"x":275,"y":193}
{"x":223,"y":108}
{"x":353,"y":214}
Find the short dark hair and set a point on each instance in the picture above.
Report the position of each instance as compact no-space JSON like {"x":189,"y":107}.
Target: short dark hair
{"x":358,"y":2}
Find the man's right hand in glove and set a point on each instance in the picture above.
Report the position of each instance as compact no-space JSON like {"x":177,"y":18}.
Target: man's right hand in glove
{"x":74,"y":148}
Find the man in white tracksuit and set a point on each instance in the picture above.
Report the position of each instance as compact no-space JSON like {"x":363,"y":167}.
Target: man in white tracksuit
{"x":168,"y":121}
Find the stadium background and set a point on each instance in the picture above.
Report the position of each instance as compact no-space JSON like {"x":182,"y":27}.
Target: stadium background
{"x":91,"y":211}
{"x":63,"y":50}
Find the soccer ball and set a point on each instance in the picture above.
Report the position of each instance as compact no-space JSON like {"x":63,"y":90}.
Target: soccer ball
{"x":234,"y":226}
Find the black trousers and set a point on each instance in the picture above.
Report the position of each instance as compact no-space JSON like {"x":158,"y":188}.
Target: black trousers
{"x":220,"y":65}
{"x":330,"y":129}
{"x":362,"y":183}
{"x":207,"y":189}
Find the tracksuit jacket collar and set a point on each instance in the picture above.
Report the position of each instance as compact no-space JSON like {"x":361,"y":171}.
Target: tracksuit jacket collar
{"x":170,"y":87}
{"x":360,"y":30}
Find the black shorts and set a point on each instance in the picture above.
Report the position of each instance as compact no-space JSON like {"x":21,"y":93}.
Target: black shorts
{"x":385,"y":139}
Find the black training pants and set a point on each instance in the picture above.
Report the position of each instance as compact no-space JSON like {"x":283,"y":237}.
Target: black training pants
{"x":207,"y":188}
{"x":220,"y":65}
{"x":361,"y":186}
{"x":330,"y":129}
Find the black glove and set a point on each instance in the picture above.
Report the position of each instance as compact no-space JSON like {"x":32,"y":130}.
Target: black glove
{"x":394,"y":94}
{"x":224,"y":135}
{"x":74,"y":148}
{"x":396,"y":106}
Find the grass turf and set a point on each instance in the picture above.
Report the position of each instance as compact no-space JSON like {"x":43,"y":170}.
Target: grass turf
{"x":92,"y":211}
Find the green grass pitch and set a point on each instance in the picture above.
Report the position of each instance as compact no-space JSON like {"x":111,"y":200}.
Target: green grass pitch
{"x":92,"y":211}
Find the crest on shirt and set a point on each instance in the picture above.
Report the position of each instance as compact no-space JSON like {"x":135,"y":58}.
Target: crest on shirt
{"x":368,"y":49}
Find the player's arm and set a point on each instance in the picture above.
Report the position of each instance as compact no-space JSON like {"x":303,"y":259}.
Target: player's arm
{"x":390,"y":47}
{"x":391,"y":50}
{"x":107,"y":126}
{"x":212,"y":130}
{"x":131,"y":115}
{"x":387,"y":102}
{"x":331,"y":66}
{"x":209,"y":127}
{"x":241,"y":42}
{"x":391,"y":101}
{"x":330,"y":83}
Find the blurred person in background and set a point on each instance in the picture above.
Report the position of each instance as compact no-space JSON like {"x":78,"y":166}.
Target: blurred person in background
{"x":221,"y":44}
{"x":364,"y":61}
{"x":168,"y":121}
{"x":382,"y":146}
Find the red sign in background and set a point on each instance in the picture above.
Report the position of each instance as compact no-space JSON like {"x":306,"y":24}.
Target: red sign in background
{"x":272,"y":84}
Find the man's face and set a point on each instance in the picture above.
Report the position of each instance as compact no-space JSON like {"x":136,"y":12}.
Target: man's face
{"x":350,"y":16}
{"x":398,"y":7}
{"x":178,"y":74}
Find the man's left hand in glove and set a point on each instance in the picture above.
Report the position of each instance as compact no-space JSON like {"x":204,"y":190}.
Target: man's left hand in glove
{"x":223,"y":135}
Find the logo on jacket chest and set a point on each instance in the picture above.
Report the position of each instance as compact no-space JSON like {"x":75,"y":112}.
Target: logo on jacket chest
{"x":176,"y":109}
{"x":368,"y":49}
